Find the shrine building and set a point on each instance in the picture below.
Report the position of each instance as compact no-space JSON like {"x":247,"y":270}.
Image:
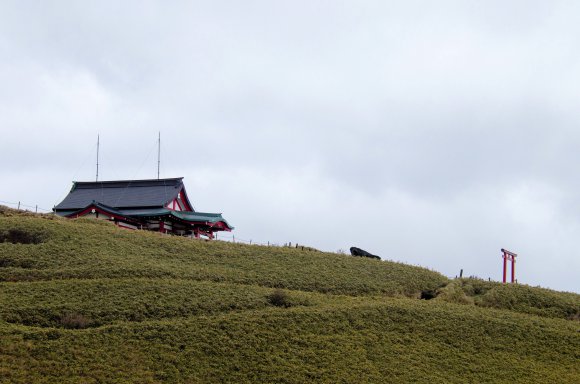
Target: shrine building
{"x":156,"y":205}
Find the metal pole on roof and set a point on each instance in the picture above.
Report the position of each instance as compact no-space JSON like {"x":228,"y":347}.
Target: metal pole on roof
{"x":98,"y":143}
{"x":158,"y":154}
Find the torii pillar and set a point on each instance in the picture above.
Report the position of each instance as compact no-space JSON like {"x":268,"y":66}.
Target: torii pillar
{"x":507,"y":255}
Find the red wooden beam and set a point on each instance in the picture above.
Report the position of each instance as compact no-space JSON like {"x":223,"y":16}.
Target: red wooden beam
{"x":183,"y":198}
{"x":513,"y":269}
{"x":99,"y":210}
{"x":504,"y":268}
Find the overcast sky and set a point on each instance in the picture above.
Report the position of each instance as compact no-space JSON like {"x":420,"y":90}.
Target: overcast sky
{"x":433,"y":133}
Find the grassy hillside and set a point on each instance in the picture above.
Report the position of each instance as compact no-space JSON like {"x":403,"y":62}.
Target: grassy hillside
{"x":518,"y":298}
{"x":84,"y":301}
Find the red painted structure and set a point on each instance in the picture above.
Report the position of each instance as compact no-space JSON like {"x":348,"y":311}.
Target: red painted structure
{"x":180,"y":203}
{"x":507,"y":255}
{"x":156,"y":205}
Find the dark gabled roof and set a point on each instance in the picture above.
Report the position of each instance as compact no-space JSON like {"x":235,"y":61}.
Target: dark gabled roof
{"x":123,"y":193}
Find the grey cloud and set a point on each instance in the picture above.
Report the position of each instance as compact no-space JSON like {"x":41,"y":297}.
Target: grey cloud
{"x":431,"y":133}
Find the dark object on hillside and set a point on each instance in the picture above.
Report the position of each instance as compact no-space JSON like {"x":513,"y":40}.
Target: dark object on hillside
{"x":428,"y":295}
{"x":75,"y":321}
{"x":362,"y":253}
{"x":279,"y":298}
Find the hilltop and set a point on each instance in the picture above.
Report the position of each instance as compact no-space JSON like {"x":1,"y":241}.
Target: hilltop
{"x":85,"y":301}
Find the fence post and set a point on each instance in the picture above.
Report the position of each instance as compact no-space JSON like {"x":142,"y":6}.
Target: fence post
{"x":234,"y":237}
{"x":19,"y":205}
{"x":36,"y":209}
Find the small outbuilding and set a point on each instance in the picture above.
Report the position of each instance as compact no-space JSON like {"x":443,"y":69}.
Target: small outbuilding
{"x":157,"y":205}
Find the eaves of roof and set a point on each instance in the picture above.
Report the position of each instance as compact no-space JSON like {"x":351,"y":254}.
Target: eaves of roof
{"x":192,"y":217}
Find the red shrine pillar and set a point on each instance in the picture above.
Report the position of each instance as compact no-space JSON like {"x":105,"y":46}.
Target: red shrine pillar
{"x":513,"y":268}
{"x":504,"y":266}
{"x":507,"y":255}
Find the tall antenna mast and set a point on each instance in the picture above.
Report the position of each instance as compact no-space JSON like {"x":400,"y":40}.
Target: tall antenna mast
{"x":98,"y":143}
{"x":158,"y":154}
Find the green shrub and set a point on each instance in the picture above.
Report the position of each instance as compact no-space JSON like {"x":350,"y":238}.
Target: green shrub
{"x":75,"y":321}
{"x":21,"y":236}
{"x":279,"y":298}
{"x":453,"y":293}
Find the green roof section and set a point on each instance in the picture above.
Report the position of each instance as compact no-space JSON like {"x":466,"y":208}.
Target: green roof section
{"x":193,"y":217}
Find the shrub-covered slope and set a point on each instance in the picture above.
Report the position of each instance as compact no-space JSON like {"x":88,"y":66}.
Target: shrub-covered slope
{"x":85,"y":301}
{"x":515,"y":297}
{"x":89,"y":249}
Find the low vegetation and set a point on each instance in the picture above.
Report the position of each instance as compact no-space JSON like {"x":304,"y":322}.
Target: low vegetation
{"x":89,"y":302}
{"x":515,"y":297}
{"x":88,"y":249}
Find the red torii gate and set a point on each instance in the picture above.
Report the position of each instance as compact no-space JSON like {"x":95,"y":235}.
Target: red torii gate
{"x":507,"y":255}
